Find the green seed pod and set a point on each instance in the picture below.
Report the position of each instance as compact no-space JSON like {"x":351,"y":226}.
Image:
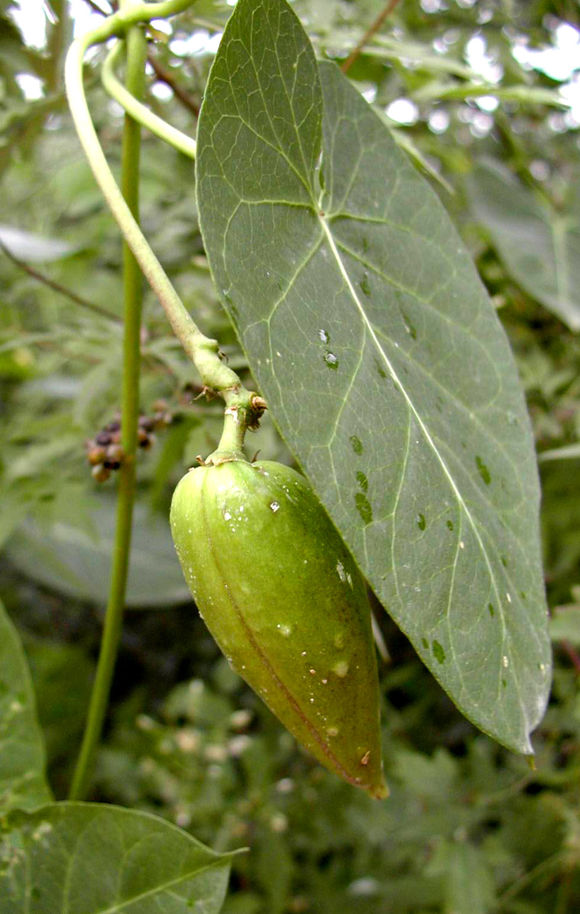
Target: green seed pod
{"x":283,"y":598}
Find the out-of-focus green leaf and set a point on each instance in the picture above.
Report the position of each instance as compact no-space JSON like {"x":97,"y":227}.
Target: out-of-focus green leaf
{"x":434,"y":778}
{"x":539,"y":246}
{"x":69,"y":560}
{"x":170,"y":454}
{"x":566,"y":452}
{"x":468,"y":887}
{"x":97,"y":382}
{"x":565,"y":624}
{"x":382,"y":361}
{"x":526,"y":95}
{"x":274,"y":870}
{"x":32,"y":460}
{"x":22,"y":758}
{"x":63,"y":675}
{"x":81,"y":857}
{"x":35,"y":248}
{"x":420,"y":54}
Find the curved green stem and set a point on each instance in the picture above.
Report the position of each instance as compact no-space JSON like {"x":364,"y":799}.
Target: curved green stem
{"x":138,"y":111}
{"x":132,"y":14}
{"x":231,"y":443}
{"x":204,"y":352}
{"x":133,"y":295}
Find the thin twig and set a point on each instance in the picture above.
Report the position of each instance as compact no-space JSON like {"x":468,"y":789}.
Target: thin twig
{"x":98,"y":9}
{"x":372,"y":29}
{"x":165,"y":76}
{"x":57,"y":287}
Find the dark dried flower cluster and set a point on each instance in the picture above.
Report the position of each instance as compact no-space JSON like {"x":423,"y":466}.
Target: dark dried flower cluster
{"x":105,"y":452}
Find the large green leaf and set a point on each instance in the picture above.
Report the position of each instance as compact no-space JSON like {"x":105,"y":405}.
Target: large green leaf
{"x":539,"y":245}
{"x":382,"y":360}
{"x":84,"y":858}
{"x":22,"y":783}
{"x":73,"y":561}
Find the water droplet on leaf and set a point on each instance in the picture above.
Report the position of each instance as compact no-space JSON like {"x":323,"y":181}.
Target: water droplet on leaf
{"x":331,"y":360}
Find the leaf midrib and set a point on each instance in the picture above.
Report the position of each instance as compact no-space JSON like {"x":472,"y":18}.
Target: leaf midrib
{"x":418,"y":419}
{"x":506,"y":639}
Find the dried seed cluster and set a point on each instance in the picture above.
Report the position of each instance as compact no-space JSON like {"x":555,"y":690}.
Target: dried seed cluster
{"x":105,"y":452}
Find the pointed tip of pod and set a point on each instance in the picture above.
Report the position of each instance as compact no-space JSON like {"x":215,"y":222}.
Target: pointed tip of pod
{"x":372,"y":781}
{"x":379,"y":791}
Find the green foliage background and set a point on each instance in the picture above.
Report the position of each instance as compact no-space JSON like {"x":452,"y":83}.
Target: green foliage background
{"x":469,"y":827}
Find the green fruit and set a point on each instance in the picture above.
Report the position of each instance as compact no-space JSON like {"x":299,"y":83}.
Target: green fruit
{"x":283,"y":598}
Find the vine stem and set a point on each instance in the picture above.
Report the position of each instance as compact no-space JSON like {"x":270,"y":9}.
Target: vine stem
{"x":139,"y":112}
{"x":203,"y":351}
{"x":133,"y":296}
{"x":242,"y":405}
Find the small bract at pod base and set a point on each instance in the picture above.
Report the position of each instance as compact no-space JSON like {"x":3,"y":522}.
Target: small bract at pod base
{"x":284,"y":600}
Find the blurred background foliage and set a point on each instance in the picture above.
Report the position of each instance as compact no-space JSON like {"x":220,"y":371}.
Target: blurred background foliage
{"x":485,"y":97}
